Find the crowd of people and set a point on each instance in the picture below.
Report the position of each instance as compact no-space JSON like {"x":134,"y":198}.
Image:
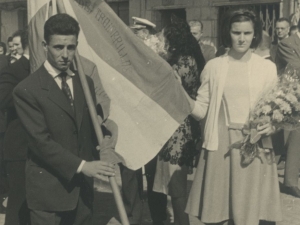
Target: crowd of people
{"x":49,"y":146}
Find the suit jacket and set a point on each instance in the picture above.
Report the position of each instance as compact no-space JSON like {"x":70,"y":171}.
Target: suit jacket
{"x":15,"y":142}
{"x":59,"y":138}
{"x":288,"y":52}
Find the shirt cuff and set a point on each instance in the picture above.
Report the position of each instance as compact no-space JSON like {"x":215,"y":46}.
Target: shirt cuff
{"x":80,"y":166}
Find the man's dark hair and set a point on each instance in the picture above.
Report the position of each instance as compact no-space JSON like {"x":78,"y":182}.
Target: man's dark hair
{"x":60,"y":24}
{"x":283,"y":19}
{"x":9,"y":39}
{"x":23,"y":34}
{"x":241,"y":15}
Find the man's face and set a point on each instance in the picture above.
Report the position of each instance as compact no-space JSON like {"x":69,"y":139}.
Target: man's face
{"x":61,"y":50}
{"x":10,"y":46}
{"x":196,"y":32}
{"x":1,"y":50}
{"x":282,"y":29}
{"x":17,"y":46}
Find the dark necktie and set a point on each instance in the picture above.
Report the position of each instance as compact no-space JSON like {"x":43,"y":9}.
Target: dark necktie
{"x":66,"y":89}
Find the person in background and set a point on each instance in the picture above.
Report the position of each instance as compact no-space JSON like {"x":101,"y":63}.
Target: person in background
{"x":15,"y":142}
{"x":3,"y":57}
{"x":178,"y":156}
{"x":17,"y":49}
{"x":3,"y":124}
{"x":197,"y":31}
{"x":224,"y":190}
{"x":143,"y":27}
{"x":282,"y":30}
{"x":10,"y":45}
{"x":10,"y":54}
{"x":2,"y":48}
{"x":288,"y":54}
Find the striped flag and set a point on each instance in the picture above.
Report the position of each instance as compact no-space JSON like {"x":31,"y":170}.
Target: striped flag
{"x":147,"y":102}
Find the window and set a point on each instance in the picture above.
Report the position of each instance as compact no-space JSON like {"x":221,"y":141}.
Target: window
{"x":121,"y":8}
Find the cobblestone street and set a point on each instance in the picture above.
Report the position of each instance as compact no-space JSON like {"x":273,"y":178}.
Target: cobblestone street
{"x":106,"y":212}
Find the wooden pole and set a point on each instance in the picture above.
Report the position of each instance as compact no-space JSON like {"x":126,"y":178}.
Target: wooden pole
{"x":96,"y":123}
{"x":95,"y":119}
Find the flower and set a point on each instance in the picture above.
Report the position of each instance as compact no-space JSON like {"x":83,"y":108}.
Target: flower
{"x":291,"y":98}
{"x":157,"y":45}
{"x":280,"y":107}
{"x":285,"y":107}
{"x":277,"y":116}
{"x":266,"y":109}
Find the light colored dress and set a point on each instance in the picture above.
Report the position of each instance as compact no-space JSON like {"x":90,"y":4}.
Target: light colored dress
{"x":222,"y":189}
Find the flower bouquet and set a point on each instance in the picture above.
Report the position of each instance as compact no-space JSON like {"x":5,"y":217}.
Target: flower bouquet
{"x":280,"y":107}
{"x":157,"y":44}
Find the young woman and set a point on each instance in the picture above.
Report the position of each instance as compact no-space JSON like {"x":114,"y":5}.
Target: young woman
{"x":224,"y":191}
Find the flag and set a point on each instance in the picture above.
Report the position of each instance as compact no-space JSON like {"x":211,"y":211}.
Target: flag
{"x":147,"y":102}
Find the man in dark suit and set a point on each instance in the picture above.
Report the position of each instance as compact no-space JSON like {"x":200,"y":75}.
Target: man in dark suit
{"x":282,"y":29}
{"x":15,"y":143}
{"x":289,"y":53}
{"x":52,"y":108}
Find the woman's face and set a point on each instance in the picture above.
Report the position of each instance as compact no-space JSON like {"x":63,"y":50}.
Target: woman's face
{"x":241,"y":34}
{"x":1,"y":50}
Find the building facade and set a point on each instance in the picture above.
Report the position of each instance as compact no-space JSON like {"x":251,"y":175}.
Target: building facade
{"x":13,"y":13}
{"x":13,"y":16}
{"x":210,"y":12}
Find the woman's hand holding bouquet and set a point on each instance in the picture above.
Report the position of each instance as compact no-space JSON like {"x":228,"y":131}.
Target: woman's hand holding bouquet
{"x":278,"y":109}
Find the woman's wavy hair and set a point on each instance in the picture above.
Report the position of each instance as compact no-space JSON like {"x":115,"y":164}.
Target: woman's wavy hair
{"x":241,"y":15}
{"x":181,"y":42}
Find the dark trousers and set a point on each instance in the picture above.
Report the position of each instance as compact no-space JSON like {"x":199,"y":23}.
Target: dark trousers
{"x":17,"y":211}
{"x":292,"y":162}
{"x":82,"y":215}
{"x":132,"y":191}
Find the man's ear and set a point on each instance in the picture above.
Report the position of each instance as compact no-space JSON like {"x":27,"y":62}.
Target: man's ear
{"x":45,"y":46}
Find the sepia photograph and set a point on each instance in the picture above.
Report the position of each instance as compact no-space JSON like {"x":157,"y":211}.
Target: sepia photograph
{"x":149,"y":112}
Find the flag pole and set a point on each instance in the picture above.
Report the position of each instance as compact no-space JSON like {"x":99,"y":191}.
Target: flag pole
{"x":96,"y":122}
